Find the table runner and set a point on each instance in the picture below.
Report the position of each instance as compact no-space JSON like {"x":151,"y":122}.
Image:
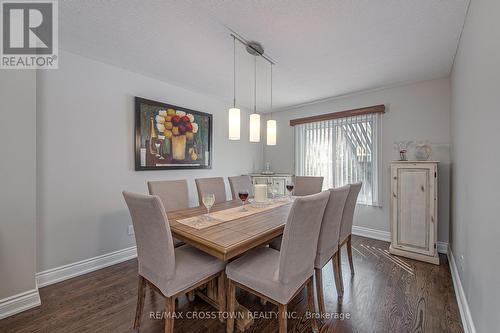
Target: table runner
{"x":201,"y":221}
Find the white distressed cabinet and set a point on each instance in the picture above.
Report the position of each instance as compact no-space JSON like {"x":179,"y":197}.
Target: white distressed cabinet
{"x":414,"y":210}
{"x":279,"y":180}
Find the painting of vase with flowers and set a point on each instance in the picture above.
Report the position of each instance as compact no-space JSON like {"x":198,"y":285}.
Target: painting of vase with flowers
{"x":171,"y":137}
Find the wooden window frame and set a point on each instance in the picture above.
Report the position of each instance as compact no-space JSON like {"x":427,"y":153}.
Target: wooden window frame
{"x":341,"y":114}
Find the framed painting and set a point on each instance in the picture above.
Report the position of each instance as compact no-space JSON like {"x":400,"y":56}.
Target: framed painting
{"x":171,"y":137}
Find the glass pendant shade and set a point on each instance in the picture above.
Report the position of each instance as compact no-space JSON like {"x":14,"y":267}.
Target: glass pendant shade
{"x":234,"y":124}
{"x":255,"y":127}
{"x":271,"y":132}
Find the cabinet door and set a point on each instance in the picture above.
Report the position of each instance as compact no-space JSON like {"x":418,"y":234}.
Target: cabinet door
{"x":414,"y":209}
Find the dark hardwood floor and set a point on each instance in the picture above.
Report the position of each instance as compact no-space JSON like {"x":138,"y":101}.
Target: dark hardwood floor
{"x":386,"y":294}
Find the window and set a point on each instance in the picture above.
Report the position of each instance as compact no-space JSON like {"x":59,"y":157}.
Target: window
{"x":343,"y":151}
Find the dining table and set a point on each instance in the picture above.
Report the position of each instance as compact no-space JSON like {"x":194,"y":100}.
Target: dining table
{"x":229,"y":239}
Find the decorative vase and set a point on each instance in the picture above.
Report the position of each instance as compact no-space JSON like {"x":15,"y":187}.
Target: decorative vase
{"x":402,"y":147}
{"x":402,"y":155}
{"x":423,"y":152}
{"x":179,"y":147}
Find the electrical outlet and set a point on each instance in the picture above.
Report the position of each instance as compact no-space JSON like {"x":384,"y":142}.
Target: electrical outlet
{"x":131,"y":230}
{"x":462,"y":262}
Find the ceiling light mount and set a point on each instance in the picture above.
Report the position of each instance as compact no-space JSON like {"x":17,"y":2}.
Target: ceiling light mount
{"x":255,"y":48}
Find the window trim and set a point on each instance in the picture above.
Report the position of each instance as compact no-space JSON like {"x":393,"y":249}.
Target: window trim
{"x":339,"y":114}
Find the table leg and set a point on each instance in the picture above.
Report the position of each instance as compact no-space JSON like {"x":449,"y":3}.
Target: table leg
{"x":243,"y":317}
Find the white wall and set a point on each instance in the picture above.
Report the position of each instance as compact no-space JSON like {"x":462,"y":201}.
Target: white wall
{"x":86,"y":155}
{"x":17,"y":181}
{"x":417,"y":111}
{"x":475,"y":228}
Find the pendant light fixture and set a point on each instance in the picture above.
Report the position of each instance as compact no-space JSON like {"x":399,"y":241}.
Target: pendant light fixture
{"x":255,"y":49}
{"x":234,"y":112}
{"x":255,"y":117}
{"x":271,"y":123}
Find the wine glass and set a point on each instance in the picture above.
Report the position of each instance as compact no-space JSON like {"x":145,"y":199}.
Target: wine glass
{"x":289,"y":188}
{"x":208,"y":201}
{"x":243,"y":194}
{"x":157,"y":145}
{"x":162,"y":145}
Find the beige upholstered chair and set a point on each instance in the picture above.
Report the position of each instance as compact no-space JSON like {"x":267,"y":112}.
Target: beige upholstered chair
{"x":346,"y":229}
{"x":170,"y":271}
{"x":173,"y":195}
{"x":239,"y":183}
{"x":211,"y":185}
{"x":277,"y":276}
{"x":306,"y":185}
{"x":328,"y":241}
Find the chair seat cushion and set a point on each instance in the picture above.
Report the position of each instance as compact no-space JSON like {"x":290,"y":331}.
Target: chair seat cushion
{"x":257,"y":270}
{"x":191,"y":267}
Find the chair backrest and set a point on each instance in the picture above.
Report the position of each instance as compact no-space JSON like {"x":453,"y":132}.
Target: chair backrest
{"x":211,"y":185}
{"x":348,"y":214}
{"x":300,"y":238}
{"x":330,"y":226}
{"x":307,"y":185}
{"x":155,"y":247}
{"x":238,"y":183}
{"x":173,"y":193}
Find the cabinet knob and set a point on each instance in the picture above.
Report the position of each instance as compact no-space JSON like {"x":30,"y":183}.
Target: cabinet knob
{"x":394,"y":194}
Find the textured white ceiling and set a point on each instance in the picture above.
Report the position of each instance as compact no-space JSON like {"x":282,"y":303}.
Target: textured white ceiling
{"x":323,"y":48}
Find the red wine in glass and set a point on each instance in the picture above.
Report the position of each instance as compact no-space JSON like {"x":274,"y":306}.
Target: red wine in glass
{"x":289,"y":188}
{"x":243,"y":195}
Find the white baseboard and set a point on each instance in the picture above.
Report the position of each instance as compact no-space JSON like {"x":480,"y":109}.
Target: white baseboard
{"x":21,"y":302}
{"x":463,"y":305}
{"x":385,"y":236}
{"x":371,"y":233}
{"x":69,"y":271}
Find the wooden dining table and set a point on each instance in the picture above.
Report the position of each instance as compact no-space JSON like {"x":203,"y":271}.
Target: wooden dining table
{"x":229,"y":240}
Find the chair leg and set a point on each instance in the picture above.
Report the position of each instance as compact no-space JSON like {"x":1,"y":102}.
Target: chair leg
{"x":231,"y":303}
{"x":169,"y":314}
{"x":349,"y":254}
{"x":221,"y":289}
{"x":310,"y":304}
{"x":337,"y":271}
{"x":152,"y":292}
{"x":319,"y":290}
{"x":282,"y":318}
{"x":141,"y":294}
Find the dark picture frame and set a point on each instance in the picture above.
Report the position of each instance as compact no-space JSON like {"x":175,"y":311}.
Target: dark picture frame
{"x":181,"y":139}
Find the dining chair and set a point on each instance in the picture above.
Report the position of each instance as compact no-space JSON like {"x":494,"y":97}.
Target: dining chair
{"x":304,"y":185}
{"x":278,"y":276}
{"x":239,"y":183}
{"x":307,"y":185}
{"x":328,"y":241}
{"x":213,"y":185}
{"x":346,"y":230}
{"x":173,"y":195}
{"x":168,"y":270}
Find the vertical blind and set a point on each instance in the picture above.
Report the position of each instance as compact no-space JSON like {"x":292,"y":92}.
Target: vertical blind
{"x":343,"y":151}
